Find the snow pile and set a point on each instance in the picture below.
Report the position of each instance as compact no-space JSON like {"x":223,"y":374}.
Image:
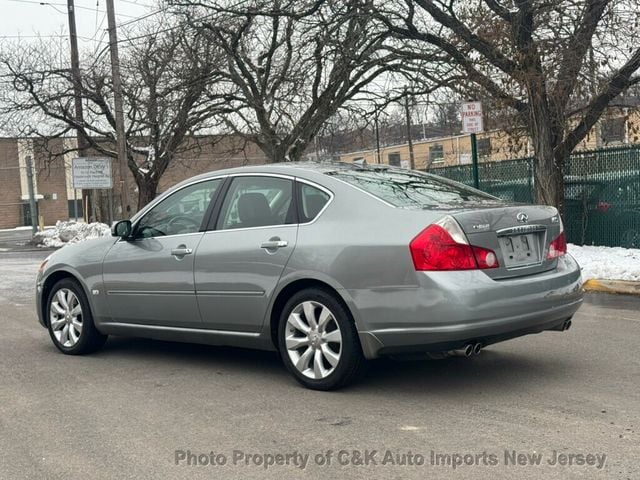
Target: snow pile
{"x":70,"y":232}
{"x":607,"y":263}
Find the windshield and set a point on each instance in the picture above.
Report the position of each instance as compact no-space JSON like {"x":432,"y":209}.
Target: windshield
{"x":410,"y":189}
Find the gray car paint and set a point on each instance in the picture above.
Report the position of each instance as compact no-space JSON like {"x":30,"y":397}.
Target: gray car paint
{"x":359,"y":247}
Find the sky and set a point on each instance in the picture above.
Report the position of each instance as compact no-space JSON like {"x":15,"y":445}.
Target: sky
{"x":27,"y":18}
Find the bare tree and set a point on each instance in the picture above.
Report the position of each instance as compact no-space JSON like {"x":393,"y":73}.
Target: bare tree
{"x":165,"y":75}
{"x":291,"y":65}
{"x":557,"y":64}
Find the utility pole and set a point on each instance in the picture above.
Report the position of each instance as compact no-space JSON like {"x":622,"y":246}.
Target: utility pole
{"x":412,"y":163}
{"x":117,"y":94}
{"x":77,"y":95}
{"x":32,"y":197}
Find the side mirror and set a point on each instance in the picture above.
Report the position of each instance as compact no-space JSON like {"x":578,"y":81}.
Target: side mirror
{"x":122,"y":229}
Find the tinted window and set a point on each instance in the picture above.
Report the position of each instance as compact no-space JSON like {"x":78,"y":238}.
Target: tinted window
{"x":312,"y":201}
{"x":411,"y":189}
{"x":257,"y":202}
{"x":180,"y":213}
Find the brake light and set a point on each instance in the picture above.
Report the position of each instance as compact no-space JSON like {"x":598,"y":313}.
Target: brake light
{"x":443,"y":246}
{"x":558,"y":247}
{"x":603,"y":206}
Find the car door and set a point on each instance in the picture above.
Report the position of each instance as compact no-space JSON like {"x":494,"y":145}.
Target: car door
{"x":149,"y":278}
{"x":238,"y":265}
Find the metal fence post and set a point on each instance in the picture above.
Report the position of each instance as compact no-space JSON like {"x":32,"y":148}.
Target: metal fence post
{"x":474,"y":160}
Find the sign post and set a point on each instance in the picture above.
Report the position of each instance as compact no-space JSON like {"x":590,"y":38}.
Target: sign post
{"x":472,"y":123}
{"x":91,"y":173}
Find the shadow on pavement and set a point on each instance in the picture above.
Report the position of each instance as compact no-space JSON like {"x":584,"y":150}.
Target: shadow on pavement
{"x":491,"y":370}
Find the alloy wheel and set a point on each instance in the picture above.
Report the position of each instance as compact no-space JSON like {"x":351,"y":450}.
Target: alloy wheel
{"x":65,"y":317}
{"x":313,"y":340}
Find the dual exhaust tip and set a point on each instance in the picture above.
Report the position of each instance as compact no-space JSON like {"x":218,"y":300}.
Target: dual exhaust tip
{"x":469,"y":350}
{"x":473,"y":349}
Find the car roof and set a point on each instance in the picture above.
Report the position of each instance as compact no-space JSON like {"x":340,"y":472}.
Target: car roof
{"x":291,"y":168}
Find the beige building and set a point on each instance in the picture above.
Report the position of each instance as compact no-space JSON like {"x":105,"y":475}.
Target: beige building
{"x":618,"y":127}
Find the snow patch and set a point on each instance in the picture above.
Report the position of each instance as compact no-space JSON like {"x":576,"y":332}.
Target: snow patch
{"x":607,"y":263}
{"x":70,"y":232}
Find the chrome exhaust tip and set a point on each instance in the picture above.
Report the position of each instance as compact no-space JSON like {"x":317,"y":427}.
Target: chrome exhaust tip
{"x":477,"y":348}
{"x":563,"y":327}
{"x":466,"y":351}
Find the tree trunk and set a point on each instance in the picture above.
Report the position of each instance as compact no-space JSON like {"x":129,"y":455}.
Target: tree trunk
{"x":147,"y":189}
{"x":548,"y":173}
{"x":548,"y":168}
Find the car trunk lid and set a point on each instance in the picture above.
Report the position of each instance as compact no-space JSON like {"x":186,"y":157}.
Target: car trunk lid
{"x":519,"y":235}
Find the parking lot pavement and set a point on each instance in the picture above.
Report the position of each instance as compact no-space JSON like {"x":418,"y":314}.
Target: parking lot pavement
{"x":144,"y":409}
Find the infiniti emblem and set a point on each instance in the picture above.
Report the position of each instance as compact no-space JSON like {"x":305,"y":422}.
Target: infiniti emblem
{"x":522,"y":217}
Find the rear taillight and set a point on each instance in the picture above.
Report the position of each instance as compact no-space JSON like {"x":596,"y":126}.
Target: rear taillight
{"x":443,"y":246}
{"x":558,"y":247}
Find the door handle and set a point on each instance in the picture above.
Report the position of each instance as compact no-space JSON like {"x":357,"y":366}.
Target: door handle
{"x":181,"y":251}
{"x":274,"y":244}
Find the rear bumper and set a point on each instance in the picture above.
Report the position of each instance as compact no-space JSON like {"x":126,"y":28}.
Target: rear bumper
{"x":449,"y":309}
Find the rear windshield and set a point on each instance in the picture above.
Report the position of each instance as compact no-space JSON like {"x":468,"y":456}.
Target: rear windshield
{"x":409,"y":189}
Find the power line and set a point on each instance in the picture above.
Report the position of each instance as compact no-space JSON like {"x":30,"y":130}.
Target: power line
{"x":86,"y":39}
{"x":136,"y":3}
{"x":137,"y":19}
{"x":54,"y":4}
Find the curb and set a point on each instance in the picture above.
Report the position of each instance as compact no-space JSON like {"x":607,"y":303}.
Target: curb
{"x":612,"y":286}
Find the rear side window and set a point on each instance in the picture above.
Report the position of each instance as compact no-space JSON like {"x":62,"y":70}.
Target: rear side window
{"x":312,"y":201}
{"x":257,"y":202}
{"x":407,"y":189}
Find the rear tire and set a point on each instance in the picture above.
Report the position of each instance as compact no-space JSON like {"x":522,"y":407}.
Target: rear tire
{"x":318,"y":341}
{"x":69,"y":319}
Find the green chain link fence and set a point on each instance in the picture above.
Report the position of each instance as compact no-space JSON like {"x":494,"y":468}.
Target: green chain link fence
{"x":602,"y":192}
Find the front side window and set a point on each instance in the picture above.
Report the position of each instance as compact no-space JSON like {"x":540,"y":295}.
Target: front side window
{"x":180,"y":213}
{"x":257,"y":202}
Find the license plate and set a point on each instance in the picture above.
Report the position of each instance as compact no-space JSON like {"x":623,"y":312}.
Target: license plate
{"x":519,"y":250}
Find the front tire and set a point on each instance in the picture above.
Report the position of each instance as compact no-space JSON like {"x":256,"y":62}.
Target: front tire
{"x":69,"y":319}
{"x":318,"y":341}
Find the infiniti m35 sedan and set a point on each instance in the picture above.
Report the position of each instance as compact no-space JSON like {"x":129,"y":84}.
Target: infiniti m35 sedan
{"x":329,"y":264}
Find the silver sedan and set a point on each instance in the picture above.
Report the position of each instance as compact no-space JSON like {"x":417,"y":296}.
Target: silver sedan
{"x":329,"y":264}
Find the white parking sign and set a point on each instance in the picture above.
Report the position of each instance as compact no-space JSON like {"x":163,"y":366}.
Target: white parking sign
{"x":471,"y":113}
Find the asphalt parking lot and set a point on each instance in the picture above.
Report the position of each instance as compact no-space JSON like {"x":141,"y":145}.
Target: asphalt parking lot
{"x":553,"y":406}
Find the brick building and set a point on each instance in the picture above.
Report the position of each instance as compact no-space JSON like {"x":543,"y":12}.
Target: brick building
{"x":56,"y":198}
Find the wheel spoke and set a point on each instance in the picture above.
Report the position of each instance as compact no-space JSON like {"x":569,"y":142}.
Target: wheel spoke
{"x":64,"y":336}
{"x":332,"y":337}
{"x":62,"y":299}
{"x":318,"y":368}
{"x":293,"y":343}
{"x":73,"y":336}
{"x":75,"y":311}
{"x":57,"y":323}
{"x":295,"y":320}
{"x":55,"y":307}
{"x":325,"y":317}
{"x":310,"y":314}
{"x":332,"y":357}
{"x":77,"y":324}
{"x":303,"y":362}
